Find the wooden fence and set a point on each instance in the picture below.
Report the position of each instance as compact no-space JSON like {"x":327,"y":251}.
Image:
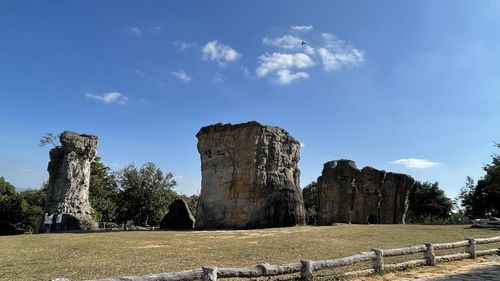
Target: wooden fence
{"x":306,"y":267}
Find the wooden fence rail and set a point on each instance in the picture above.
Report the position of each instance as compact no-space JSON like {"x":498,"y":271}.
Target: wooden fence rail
{"x":306,"y":267}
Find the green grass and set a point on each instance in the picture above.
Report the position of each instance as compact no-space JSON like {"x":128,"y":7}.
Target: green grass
{"x":114,"y":254}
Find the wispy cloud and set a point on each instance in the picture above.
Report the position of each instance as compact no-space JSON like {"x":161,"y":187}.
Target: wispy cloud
{"x":134,"y":30}
{"x":139,"y":73}
{"x":281,"y":65}
{"x":215,"y":51}
{"x":302,"y":144}
{"x":154,"y":28}
{"x":218,"y":78}
{"x":414,"y":163}
{"x":285,"y":42}
{"x":111,"y":97}
{"x":181,"y":75}
{"x":336,"y":53}
{"x":182,"y":45}
{"x":302,"y":28}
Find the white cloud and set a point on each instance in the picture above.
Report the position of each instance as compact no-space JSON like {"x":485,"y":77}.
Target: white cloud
{"x":414,"y":163}
{"x":135,"y":30}
{"x":181,"y":75}
{"x":155,"y":28}
{"x":336,"y":53}
{"x":181,"y":45}
{"x":285,"y":42}
{"x":218,"y":78}
{"x":302,"y":144}
{"x":221,"y":53}
{"x":285,"y":77}
{"x":111,"y":97}
{"x":302,"y":28}
{"x":280,"y":61}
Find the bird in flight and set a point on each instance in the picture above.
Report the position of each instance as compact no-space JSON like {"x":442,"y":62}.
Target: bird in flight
{"x":302,"y":42}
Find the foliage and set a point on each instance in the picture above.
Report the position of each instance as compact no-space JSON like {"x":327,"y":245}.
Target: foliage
{"x":483,"y":199}
{"x":145,"y":193}
{"x":428,"y":203}
{"x":33,"y":202}
{"x":103,"y":192}
{"x":49,"y":138}
{"x":10,"y":202}
{"x":311,"y":202}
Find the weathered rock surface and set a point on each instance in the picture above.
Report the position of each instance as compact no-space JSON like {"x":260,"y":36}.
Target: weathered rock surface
{"x":178,"y":217}
{"x":395,"y":195}
{"x":366,"y":209}
{"x":337,"y":182}
{"x":347,"y":195}
{"x":69,"y":180}
{"x":250,"y":177}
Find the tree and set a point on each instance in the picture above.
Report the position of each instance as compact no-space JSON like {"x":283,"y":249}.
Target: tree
{"x":483,"y":199}
{"x":10,"y":202}
{"x":427,"y":202}
{"x":49,"y":138}
{"x":103,"y":192}
{"x":145,"y":193}
{"x":311,"y":202}
{"x":33,"y":203}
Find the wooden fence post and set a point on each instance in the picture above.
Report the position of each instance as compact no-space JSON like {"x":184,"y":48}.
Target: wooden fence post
{"x":429,"y":254}
{"x":306,"y":270}
{"x":378,"y":262}
{"x":471,"y":248}
{"x":209,"y":273}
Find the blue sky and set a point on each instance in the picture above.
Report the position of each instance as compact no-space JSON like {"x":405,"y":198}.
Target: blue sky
{"x":405,"y":87}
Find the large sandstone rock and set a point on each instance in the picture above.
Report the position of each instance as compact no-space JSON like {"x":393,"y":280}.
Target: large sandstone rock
{"x":370,"y":183}
{"x":395,"y":195}
{"x":337,"y":182}
{"x":347,"y":195}
{"x":250,"y":177}
{"x":178,"y":217}
{"x":69,"y":180}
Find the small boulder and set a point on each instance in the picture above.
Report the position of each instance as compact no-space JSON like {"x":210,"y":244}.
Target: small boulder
{"x":178,"y":217}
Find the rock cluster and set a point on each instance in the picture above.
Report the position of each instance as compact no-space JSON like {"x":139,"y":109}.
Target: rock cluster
{"x":348,"y":195}
{"x":178,"y":217}
{"x":69,"y":180}
{"x":250,"y":177}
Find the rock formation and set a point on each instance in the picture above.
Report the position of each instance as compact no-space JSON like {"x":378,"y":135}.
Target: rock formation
{"x":347,"y":195}
{"x":178,"y":217}
{"x":395,"y":195}
{"x":250,"y":177}
{"x":8,"y":228}
{"x":69,"y":180}
{"x":338,"y":181}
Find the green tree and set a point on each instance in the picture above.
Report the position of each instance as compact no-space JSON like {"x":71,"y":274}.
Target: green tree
{"x":49,"y":138}
{"x":483,"y":199}
{"x":103,"y":192}
{"x":33,"y":203}
{"x":311,"y":202}
{"x":10,"y":202}
{"x":145,"y":193}
{"x":428,"y":203}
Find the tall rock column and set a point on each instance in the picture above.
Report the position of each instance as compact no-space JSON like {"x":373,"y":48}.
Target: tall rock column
{"x":250,"y":177}
{"x":69,"y":180}
{"x":367,"y":204}
{"x":395,"y":196}
{"x":337,"y":192}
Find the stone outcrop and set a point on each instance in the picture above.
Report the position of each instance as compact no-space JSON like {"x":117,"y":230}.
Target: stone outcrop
{"x":7,"y":228}
{"x":178,"y":217}
{"x":250,"y":177}
{"x":395,"y":195}
{"x":69,"y":180}
{"x":338,"y":180}
{"x":348,"y":195}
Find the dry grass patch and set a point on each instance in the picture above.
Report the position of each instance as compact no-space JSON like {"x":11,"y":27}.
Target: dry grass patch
{"x":100,"y":255}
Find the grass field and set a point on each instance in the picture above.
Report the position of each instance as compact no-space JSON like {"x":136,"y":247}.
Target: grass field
{"x":114,"y":254}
